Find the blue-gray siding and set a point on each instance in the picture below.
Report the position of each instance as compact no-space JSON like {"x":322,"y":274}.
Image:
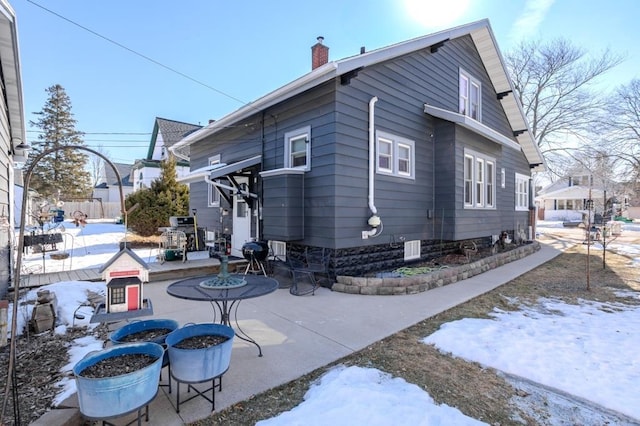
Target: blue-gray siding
{"x":428,"y":207}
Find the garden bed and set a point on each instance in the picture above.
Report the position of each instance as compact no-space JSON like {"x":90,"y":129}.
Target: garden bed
{"x":446,"y":271}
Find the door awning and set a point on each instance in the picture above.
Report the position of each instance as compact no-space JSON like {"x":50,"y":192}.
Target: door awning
{"x":217,"y":171}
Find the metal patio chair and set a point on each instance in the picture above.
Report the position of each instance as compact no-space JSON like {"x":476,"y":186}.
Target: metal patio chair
{"x":173,"y":244}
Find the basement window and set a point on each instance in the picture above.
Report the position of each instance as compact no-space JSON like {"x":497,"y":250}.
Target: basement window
{"x":412,"y":250}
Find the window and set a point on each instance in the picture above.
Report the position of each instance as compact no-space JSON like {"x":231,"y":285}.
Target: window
{"x":297,"y":148}
{"x":470,"y":96}
{"x":522,"y":192}
{"x":117,"y":295}
{"x":480,"y":184}
{"x":278,"y":249}
{"x":479,"y":180}
{"x":214,"y":195}
{"x":385,"y":156}
{"x":412,"y":250}
{"x":395,"y":155}
{"x":468,"y":180}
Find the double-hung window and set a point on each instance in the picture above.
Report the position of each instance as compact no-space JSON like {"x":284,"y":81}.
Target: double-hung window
{"x":479,"y":178}
{"x":297,"y":149}
{"x":214,"y":195}
{"x":522,"y":192}
{"x":470,"y":96}
{"x":395,"y":155}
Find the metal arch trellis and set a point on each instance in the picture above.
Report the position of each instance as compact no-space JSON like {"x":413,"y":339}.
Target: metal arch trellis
{"x":16,"y":287}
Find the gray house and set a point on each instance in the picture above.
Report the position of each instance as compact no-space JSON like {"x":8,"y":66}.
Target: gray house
{"x":108,"y":187}
{"x":13,"y":143}
{"x":382,"y":158}
{"x":165,"y":134}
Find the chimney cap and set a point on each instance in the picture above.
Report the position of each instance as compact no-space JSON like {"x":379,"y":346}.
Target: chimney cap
{"x":320,"y":39}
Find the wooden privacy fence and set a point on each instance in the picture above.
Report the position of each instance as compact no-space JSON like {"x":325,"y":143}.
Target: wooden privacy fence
{"x":93,"y":209}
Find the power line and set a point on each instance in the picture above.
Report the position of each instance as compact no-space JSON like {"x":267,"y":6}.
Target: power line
{"x":122,"y":46}
{"x":102,"y":133}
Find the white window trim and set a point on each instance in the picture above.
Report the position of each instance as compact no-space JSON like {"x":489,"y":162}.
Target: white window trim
{"x":522,"y":195}
{"x":478,"y":203}
{"x":295,"y":134}
{"x":278,"y":249}
{"x":471,"y":82}
{"x":213,"y":196}
{"x":396,"y":142}
{"x":412,"y":250}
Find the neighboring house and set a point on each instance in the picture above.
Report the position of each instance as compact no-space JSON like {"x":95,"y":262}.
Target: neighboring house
{"x":567,"y":198}
{"x":385,"y":157}
{"x":13,"y":141}
{"x":108,"y":187}
{"x":165,"y":134}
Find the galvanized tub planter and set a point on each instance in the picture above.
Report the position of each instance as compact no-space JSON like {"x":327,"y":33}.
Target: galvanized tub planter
{"x":109,"y":397}
{"x":125,"y":333}
{"x":203,"y":364}
{"x":120,"y":335}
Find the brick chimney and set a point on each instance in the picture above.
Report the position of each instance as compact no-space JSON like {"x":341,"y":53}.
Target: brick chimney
{"x":319,"y":54}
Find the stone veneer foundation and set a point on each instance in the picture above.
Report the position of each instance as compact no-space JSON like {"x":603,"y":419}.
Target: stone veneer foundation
{"x":423,"y":282}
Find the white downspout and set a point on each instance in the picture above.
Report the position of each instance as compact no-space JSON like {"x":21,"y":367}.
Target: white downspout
{"x":372,"y":153}
{"x":374,"y":220}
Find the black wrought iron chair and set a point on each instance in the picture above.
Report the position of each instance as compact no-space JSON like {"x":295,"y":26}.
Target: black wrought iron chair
{"x":317,"y":260}
{"x":303,"y":278}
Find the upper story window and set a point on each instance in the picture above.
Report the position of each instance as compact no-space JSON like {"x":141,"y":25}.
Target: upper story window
{"x":479,"y":177}
{"x":395,"y":155}
{"x":470,"y":96}
{"x":297,"y":149}
{"x":522,"y":192}
{"x":214,"y":195}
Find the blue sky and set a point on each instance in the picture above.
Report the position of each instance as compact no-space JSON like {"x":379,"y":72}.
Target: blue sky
{"x":237,"y":51}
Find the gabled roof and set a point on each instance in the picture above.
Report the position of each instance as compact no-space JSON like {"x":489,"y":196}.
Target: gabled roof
{"x":572,"y":192}
{"x":172,"y":131}
{"x":111,"y":178}
{"x":485,"y":43}
{"x":128,"y":252}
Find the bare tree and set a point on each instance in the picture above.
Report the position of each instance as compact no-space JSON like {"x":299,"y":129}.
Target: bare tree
{"x":96,"y":165}
{"x":555,"y":82}
{"x":623,"y":120}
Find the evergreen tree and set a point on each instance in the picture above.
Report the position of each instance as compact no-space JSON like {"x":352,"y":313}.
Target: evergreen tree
{"x":62,"y":173}
{"x":166,"y":197}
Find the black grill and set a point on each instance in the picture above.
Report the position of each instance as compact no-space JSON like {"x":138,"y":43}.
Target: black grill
{"x":259,"y":250}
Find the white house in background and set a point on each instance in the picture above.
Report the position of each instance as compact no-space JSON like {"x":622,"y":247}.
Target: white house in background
{"x":165,"y":134}
{"x":566,"y":199}
{"x":12,"y":139}
{"x":108,"y":188}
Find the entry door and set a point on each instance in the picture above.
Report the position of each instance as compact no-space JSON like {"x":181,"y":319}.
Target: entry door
{"x":132,"y":298}
{"x":241,"y":221}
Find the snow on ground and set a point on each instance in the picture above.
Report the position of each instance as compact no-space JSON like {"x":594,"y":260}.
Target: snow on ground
{"x":587,"y":350}
{"x":90,"y":246}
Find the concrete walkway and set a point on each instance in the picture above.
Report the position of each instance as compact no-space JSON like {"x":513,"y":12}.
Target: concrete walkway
{"x":301,"y":334}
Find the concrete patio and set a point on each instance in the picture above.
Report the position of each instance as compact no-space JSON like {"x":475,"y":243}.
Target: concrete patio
{"x":300,"y":334}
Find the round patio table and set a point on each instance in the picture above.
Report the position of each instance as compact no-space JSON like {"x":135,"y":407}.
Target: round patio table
{"x":227,"y":300}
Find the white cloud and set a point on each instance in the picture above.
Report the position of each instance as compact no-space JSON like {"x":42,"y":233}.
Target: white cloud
{"x":528,"y":22}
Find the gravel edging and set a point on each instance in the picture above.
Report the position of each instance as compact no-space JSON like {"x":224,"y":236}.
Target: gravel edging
{"x":423,"y":282}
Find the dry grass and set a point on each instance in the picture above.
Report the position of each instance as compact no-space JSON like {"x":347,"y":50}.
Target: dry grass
{"x":478,"y":392}
{"x":138,"y":241}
